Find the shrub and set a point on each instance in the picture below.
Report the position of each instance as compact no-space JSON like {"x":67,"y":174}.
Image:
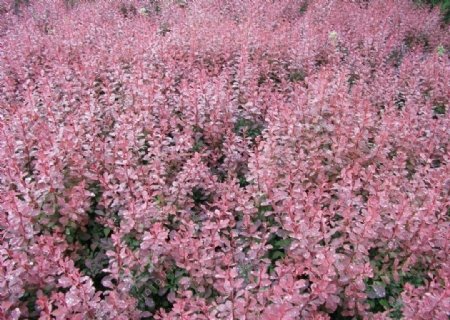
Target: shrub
{"x":223,"y":160}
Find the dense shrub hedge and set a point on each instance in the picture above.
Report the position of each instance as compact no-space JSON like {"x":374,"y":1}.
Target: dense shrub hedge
{"x":238,"y":159}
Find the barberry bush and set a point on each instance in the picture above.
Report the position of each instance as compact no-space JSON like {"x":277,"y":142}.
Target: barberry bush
{"x":232,"y":159}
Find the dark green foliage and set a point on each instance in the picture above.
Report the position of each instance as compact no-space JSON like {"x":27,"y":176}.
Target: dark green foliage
{"x":93,"y":239}
{"x":248,"y":128}
{"x":198,"y":146}
{"x":383,"y":278}
{"x":242,"y":180}
{"x":152,"y":294}
{"x":445,"y":9}
{"x":392,"y":301}
{"x":303,"y":7}
{"x":278,"y":250}
{"x":200,"y":196}
{"x":30,"y":297}
{"x":337,"y":315}
{"x":336,"y":235}
{"x":263,"y":216}
{"x":439,"y":109}
{"x":92,"y":258}
{"x":131,"y":241}
{"x":172,"y":222}
{"x":174,"y":276}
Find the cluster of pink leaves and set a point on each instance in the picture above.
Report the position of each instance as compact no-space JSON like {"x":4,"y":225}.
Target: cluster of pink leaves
{"x":210,"y":129}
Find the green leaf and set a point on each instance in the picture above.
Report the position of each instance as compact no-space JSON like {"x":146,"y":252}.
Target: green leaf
{"x":277,"y":255}
{"x":385,"y":304}
{"x":283,"y":243}
{"x":440,"y":50}
{"x":106,"y":231}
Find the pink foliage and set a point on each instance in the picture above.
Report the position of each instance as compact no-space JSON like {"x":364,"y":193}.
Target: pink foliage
{"x":238,"y":159}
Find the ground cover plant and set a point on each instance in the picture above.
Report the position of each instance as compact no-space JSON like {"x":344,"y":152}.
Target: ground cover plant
{"x":232,"y":159}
